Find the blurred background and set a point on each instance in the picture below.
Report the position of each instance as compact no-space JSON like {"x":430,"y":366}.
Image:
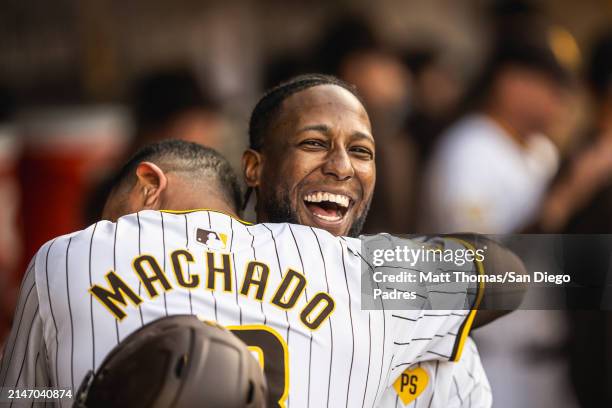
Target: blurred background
{"x":489,"y":116}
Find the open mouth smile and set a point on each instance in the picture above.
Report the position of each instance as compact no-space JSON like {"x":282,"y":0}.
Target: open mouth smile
{"x":327,"y":206}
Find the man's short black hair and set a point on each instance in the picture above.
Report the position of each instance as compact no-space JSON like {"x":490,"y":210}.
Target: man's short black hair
{"x":181,"y":156}
{"x":268,"y":106}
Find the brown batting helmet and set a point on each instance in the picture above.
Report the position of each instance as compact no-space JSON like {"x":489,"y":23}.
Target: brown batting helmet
{"x":178,"y":361}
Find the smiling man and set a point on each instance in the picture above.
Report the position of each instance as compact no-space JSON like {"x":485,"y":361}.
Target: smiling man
{"x":311,"y":156}
{"x":289,"y":291}
{"x":311,"y":161}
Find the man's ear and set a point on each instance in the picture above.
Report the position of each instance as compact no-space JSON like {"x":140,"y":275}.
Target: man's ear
{"x":252,"y":163}
{"x":151,"y":183}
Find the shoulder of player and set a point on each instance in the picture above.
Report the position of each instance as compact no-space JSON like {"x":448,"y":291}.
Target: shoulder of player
{"x":62,"y":241}
{"x":307,"y":231}
{"x":57,"y":245}
{"x":302,"y":233}
{"x":202,"y":211}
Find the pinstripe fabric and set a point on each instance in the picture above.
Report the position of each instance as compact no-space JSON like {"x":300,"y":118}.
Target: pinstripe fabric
{"x":350,"y":359}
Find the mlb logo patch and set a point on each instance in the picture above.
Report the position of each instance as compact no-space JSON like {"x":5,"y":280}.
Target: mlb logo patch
{"x":211,"y":239}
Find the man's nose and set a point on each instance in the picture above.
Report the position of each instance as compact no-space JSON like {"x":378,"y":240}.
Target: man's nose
{"x":339,"y":165}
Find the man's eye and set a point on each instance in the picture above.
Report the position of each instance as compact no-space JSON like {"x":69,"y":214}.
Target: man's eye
{"x":362,"y":152}
{"x":312,"y":143}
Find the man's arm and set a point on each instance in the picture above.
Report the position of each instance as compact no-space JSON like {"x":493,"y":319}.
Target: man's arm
{"x":441,"y":383}
{"x":448,"y":309}
{"x":498,"y":298}
{"x":23,"y":364}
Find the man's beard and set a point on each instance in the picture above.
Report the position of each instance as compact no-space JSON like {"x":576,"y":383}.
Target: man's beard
{"x":357,"y":225}
{"x":279,"y":210}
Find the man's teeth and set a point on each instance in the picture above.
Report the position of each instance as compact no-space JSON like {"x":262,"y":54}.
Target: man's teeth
{"x":327,"y":217}
{"x":319,"y":196}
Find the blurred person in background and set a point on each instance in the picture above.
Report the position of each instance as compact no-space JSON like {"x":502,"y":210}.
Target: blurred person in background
{"x":580,"y":202}
{"x":581,"y":199}
{"x":170,"y":104}
{"x":489,"y":174}
{"x":436,"y":91}
{"x":352,"y":51}
{"x":280,"y":68}
{"x":492,"y":167}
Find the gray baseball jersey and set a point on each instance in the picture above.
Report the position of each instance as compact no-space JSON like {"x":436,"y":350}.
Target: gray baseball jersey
{"x":290,"y":292}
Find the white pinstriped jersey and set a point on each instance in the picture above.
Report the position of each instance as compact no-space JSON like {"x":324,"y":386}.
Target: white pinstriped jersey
{"x":282,"y":288}
{"x":461,"y":384}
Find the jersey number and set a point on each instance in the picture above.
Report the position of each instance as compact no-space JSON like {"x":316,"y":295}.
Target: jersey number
{"x":271,"y":351}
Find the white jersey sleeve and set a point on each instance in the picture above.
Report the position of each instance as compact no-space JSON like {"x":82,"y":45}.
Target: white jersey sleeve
{"x":24,"y":361}
{"x":435,"y":325}
{"x":442,"y":384}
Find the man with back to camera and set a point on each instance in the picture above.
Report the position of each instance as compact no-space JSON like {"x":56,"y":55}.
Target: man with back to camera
{"x":112,"y":278}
